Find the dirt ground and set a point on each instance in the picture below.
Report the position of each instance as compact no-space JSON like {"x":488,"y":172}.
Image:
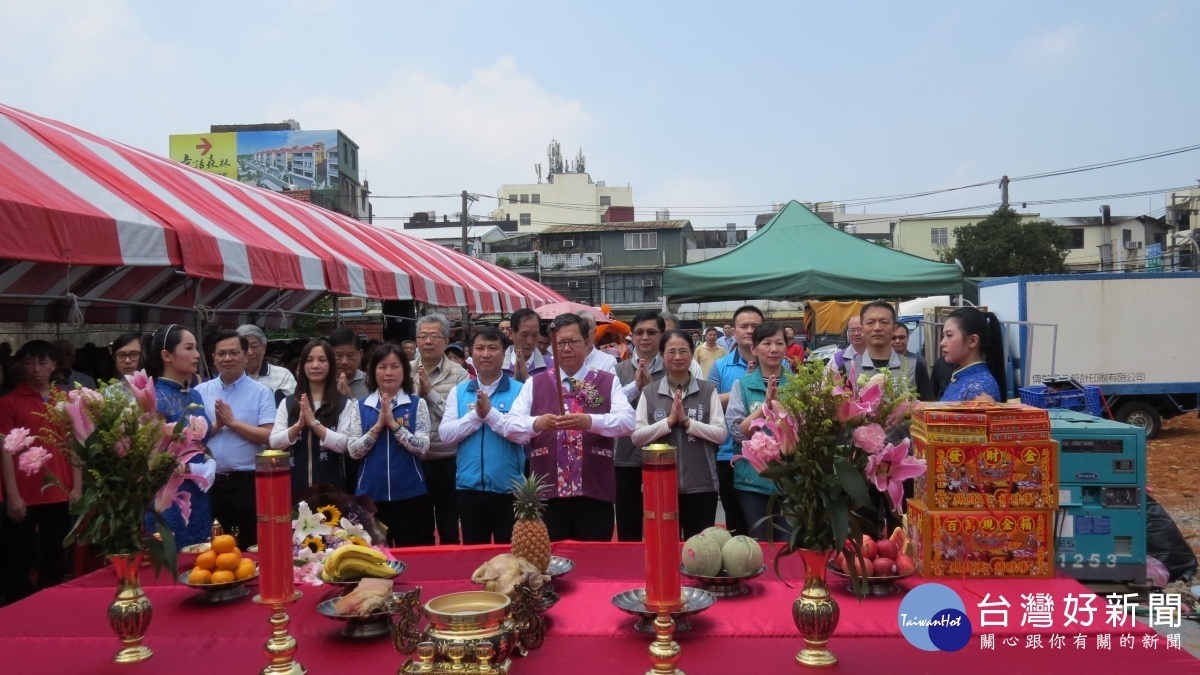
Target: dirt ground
{"x":1173,"y":473}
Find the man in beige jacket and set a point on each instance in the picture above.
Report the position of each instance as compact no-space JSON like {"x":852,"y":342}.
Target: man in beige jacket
{"x":435,"y":376}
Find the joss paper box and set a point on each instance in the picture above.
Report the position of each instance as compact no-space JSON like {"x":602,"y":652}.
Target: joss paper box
{"x":1007,"y":544}
{"x":987,"y":476}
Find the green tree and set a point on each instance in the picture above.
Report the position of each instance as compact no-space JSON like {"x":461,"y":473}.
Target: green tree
{"x":1003,"y":245}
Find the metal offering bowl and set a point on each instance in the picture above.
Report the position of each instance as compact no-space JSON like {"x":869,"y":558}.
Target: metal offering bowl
{"x":375,"y":624}
{"x":217,"y":593}
{"x":559,"y":566}
{"x":633,"y":602}
{"x":468,"y":618}
{"x":724,"y":586}
{"x":875,"y":585}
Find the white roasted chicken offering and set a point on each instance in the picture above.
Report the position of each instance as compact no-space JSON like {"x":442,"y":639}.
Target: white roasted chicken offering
{"x":505,"y":572}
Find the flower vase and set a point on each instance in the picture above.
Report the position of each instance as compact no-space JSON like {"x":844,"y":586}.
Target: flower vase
{"x":130,"y":611}
{"x":815,"y":612}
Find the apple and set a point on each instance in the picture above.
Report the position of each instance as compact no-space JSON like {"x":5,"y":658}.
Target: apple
{"x":887,"y":549}
{"x":863,"y":566}
{"x":905,"y":564}
{"x":883,"y":567}
{"x":869,"y":547}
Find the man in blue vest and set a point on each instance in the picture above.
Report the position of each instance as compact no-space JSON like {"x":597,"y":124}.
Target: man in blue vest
{"x":724,"y":373}
{"x":487,"y":462}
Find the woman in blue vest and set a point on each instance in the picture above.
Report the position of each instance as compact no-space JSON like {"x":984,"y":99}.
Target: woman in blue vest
{"x":746,"y":399}
{"x":317,"y":422}
{"x":488,"y":463}
{"x":396,"y":425}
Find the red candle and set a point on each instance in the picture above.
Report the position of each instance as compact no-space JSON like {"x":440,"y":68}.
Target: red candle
{"x":273,"y":499}
{"x":660,"y":513}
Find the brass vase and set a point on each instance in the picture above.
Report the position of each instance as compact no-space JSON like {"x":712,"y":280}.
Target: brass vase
{"x":815,"y":612}
{"x":130,"y":611}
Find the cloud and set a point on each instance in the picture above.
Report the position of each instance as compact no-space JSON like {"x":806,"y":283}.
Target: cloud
{"x":420,"y":135}
{"x":70,"y":48}
{"x":1042,"y":48}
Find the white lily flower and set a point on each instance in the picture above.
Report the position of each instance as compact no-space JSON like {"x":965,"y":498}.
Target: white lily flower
{"x":353,"y":530}
{"x":309,"y":524}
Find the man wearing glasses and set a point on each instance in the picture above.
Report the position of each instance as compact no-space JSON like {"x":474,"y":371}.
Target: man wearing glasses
{"x":851,"y":356}
{"x":435,"y":376}
{"x":573,"y":451}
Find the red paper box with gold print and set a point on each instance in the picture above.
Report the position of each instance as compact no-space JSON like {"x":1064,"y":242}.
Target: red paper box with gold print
{"x":953,"y":544}
{"x":988,"y":476}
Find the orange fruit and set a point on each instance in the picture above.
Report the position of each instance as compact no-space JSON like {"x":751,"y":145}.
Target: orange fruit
{"x":222,"y":577}
{"x":229,"y":561}
{"x":200,"y":575}
{"x":245,"y":569}
{"x":224,"y":543}
{"x":207,"y":561}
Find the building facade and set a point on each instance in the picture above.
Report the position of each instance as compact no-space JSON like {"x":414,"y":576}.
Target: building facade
{"x":568,"y":197}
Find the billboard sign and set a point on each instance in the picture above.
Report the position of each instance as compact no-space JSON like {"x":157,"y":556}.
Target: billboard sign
{"x":276,"y":160}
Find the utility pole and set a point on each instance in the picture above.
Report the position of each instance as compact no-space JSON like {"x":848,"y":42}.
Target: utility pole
{"x":1106,"y":248}
{"x":463,"y":217}
{"x":1004,"y":192}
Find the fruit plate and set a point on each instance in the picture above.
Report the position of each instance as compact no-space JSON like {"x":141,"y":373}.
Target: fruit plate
{"x":559,"y":566}
{"x":875,"y":585}
{"x":224,"y":592}
{"x":196,"y":549}
{"x":633,"y":602}
{"x":396,"y":565}
{"x":375,"y":624}
{"x":724,"y":586}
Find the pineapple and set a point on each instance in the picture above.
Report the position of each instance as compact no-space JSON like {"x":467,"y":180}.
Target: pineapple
{"x":530,"y":540}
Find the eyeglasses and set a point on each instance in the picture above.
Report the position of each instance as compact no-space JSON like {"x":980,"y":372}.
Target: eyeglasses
{"x":646,"y":331}
{"x":128,"y":356}
{"x":229,"y":355}
{"x":570,"y":344}
{"x":673,"y":353}
{"x":430,"y":337}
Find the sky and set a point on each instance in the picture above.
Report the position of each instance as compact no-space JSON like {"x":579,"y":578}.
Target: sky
{"x":713,"y":110}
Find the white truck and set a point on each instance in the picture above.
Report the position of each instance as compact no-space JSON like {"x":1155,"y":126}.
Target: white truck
{"x":1133,"y":335}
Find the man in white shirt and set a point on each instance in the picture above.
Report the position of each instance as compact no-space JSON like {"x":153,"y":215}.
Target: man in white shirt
{"x":527,"y":326}
{"x":596,"y":359}
{"x":850,"y":358}
{"x":279,"y":380}
{"x":574,"y":450}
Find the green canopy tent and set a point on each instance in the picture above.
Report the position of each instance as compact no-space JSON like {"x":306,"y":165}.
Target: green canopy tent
{"x":797,"y":255}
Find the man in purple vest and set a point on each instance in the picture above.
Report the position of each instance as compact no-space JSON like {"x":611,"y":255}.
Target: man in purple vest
{"x":573,"y":452}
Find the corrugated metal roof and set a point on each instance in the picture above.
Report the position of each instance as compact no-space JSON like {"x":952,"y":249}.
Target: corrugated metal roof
{"x":488,"y":233}
{"x":620,"y":227}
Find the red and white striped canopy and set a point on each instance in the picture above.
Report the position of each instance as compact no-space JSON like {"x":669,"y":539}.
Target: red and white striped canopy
{"x":125,"y":232}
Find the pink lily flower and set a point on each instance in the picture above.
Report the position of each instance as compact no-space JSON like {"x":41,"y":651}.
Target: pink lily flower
{"x":142,"y":386}
{"x":81,"y":423}
{"x":171,"y":493}
{"x":889,"y":468}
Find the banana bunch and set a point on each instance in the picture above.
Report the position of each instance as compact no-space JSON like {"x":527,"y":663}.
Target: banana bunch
{"x":352,"y":562}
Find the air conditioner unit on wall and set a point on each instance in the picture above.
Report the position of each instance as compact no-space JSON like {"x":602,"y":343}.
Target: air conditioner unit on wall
{"x":568,"y":243}
{"x":648,"y":283}
{"x":1133,"y":245}
{"x":572,"y":284}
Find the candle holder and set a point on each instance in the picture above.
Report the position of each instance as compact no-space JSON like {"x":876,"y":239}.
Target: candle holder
{"x":273,"y":501}
{"x":281,"y":647}
{"x":660,"y":525}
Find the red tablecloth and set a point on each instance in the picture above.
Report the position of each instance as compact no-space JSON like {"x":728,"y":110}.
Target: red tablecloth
{"x":65,"y":630}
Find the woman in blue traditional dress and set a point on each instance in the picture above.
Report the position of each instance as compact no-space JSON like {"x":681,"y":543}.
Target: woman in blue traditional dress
{"x":973,"y":341}
{"x":172,"y":359}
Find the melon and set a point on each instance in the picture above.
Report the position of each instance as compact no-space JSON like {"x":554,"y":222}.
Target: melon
{"x":717,"y":534}
{"x":742,"y":556}
{"x":702,"y":556}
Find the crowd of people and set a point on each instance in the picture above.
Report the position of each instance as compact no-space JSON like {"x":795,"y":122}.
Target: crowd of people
{"x":435,"y":432}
